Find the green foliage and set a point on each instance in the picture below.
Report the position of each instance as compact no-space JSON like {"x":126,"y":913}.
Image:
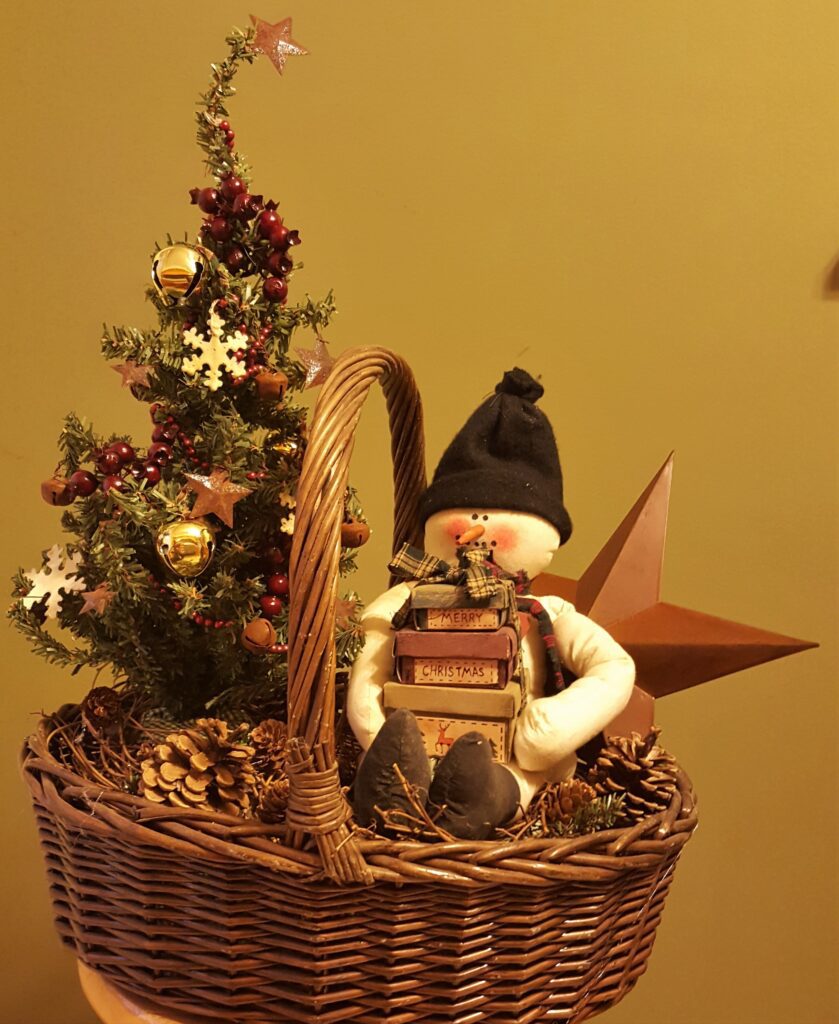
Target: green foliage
{"x":147,"y":634}
{"x":601,"y":813}
{"x":213,"y":106}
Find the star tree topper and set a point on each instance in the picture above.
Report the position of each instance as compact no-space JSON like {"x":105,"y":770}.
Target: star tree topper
{"x":673,"y":648}
{"x":275,"y":41}
{"x":216,"y":495}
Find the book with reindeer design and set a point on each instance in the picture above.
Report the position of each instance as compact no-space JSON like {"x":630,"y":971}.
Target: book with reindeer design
{"x":446,"y":712}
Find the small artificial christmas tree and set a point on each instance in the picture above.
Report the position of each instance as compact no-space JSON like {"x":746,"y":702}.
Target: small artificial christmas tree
{"x":177,"y":573}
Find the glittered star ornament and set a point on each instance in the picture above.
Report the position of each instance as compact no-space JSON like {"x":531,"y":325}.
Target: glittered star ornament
{"x":133,"y":373}
{"x":275,"y":41}
{"x":97,"y":600}
{"x":317,"y":361}
{"x":673,"y":648}
{"x":215,"y":495}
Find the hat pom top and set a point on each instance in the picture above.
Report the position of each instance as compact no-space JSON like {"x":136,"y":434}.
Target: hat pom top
{"x":520,"y":383}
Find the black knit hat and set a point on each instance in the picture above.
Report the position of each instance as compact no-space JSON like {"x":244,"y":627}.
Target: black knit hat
{"x":504,"y":457}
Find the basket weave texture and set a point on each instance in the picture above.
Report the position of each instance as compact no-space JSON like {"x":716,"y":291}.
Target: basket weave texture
{"x":236,"y":920}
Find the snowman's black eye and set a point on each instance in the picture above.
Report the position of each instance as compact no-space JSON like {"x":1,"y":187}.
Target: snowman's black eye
{"x":475,"y":515}
{"x":486,"y":517}
{"x":493,"y":543}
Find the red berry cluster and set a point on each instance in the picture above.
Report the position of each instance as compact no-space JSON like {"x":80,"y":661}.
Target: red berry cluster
{"x":245,"y":232}
{"x":277,"y":586}
{"x":113,"y":463}
{"x":274,"y":561}
{"x":166,"y":432}
{"x":118,"y":459}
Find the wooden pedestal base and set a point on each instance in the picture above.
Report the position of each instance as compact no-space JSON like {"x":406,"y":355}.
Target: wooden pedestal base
{"x":114,"y":1007}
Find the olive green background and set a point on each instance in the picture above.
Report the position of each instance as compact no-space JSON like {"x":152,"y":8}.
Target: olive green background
{"x":637,"y":201}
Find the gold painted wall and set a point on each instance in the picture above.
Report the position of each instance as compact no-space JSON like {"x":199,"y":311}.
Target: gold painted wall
{"x":636,"y":200}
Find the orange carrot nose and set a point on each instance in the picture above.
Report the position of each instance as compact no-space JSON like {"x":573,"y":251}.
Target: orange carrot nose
{"x":471,"y":534}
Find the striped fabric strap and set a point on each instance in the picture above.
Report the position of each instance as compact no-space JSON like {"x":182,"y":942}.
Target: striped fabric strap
{"x":533,"y":607}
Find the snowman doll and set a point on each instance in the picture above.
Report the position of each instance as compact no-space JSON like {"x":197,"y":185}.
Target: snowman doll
{"x":498,"y":488}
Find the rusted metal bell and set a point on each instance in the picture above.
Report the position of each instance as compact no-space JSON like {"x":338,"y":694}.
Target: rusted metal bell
{"x":258,"y":636}
{"x":57,"y":492}
{"x":354,"y":533}
{"x":272,"y":385}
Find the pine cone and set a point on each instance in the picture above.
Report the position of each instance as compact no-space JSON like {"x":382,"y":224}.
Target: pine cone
{"x":270,"y":741}
{"x":560,"y":802}
{"x":640,"y":770}
{"x":273,"y":801}
{"x":201,"y":766}
{"x":101,"y":712}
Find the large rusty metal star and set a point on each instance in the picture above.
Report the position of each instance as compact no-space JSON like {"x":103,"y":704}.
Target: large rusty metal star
{"x":673,"y":648}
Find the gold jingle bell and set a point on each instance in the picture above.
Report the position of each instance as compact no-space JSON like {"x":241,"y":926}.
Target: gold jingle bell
{"x":178,"y":272}
{"x":186,"y":546}
{"x":290,"y":448}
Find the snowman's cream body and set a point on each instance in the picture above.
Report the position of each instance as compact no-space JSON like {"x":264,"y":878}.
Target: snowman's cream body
{"x":550,"y":729}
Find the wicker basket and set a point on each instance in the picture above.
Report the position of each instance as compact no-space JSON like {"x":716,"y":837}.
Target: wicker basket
{"x":239,"y":921}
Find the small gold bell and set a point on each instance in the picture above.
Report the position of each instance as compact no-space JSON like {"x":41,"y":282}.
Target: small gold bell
{"x":186,"y":546}
{"x":289,"y":449}
{"x":178,"y":271}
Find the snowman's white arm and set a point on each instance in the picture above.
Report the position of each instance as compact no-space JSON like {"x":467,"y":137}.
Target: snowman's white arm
{"x":551,"y":728}
{"x":374,"y":665}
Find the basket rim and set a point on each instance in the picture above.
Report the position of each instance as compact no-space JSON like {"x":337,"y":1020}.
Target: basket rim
{"x":85,"y":805}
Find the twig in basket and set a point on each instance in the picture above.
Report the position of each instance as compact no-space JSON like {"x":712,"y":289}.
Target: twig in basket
{"x":421,"y":820}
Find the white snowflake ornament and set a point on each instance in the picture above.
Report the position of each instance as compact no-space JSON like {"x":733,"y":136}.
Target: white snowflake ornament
{"x":290,"y":502}
{"x":214,"y":354}
{"x":55,"y":580}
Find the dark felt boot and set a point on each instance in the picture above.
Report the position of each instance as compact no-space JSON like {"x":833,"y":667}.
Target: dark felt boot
{"x":399,"y":741}
{"x":475,"y":793}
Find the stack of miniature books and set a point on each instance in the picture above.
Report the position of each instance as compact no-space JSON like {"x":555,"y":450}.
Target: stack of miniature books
{"x":458,"y":668}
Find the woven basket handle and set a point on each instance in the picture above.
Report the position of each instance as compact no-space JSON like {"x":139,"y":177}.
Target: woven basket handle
{"x":316,"y":549}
